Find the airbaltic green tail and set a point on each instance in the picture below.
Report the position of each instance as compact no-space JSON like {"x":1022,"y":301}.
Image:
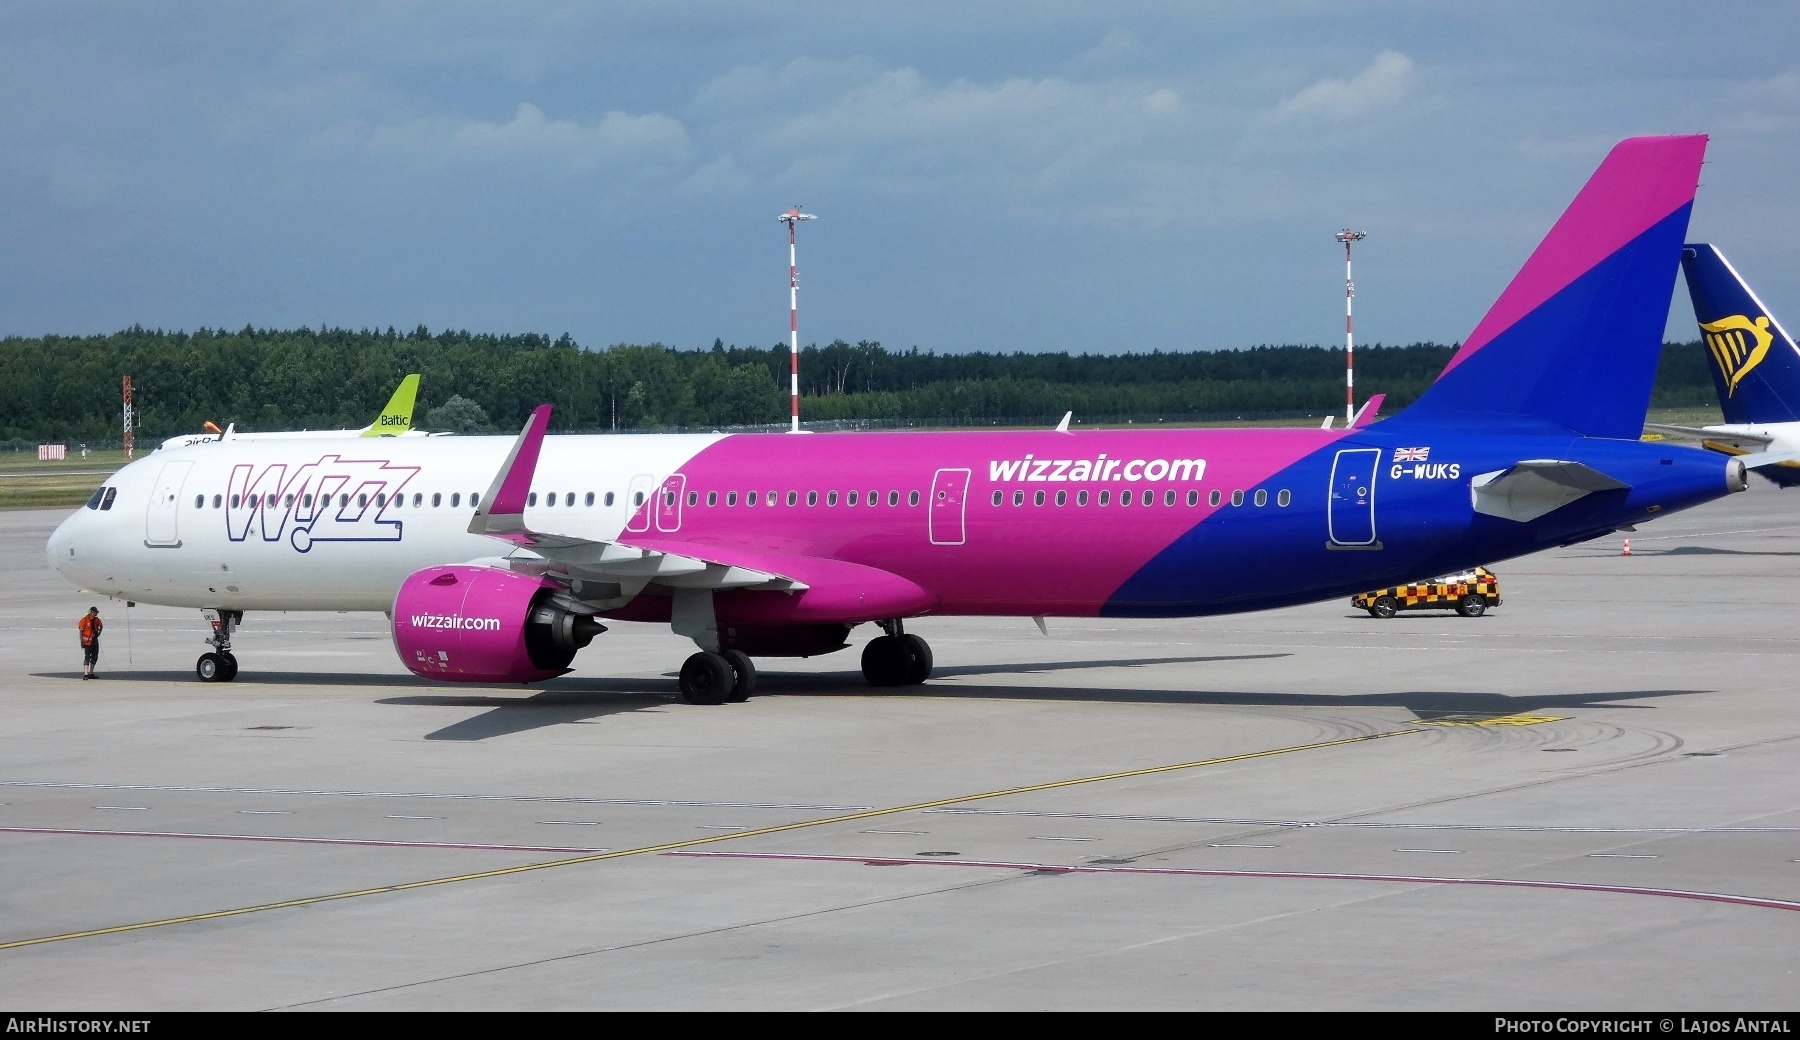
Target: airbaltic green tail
{"x":396,"y":418}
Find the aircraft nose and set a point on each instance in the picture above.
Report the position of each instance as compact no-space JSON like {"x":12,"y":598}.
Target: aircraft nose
{"x":61,"y":548}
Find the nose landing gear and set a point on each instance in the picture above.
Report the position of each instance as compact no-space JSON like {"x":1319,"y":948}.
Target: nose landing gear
{"x":219,"y":665}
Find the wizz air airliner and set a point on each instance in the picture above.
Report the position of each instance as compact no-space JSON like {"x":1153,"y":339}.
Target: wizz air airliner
{"x":1754,"y":363}
{"x":498,"y":559}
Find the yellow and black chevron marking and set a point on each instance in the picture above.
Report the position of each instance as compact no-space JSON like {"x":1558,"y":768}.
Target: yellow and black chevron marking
{"x":1431,"y":593}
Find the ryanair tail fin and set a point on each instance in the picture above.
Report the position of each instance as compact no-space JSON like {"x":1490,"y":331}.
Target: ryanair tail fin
{"x":396,"y":418}
{"x":1753,"y":360}
{"x":1575,"y":338}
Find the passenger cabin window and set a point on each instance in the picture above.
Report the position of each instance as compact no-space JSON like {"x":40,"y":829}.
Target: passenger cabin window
{"x":637,"y":498}
{"x":1081,"y":498}
{"x":1037,"y":499}
{"x":456,"y":499}
{"x":712,"y":498}
{"x":437,"y":499}
{"x":1105,"y":497}
{"x":1019,"y":497}
{"x":893,"y":498}
{"x":235,"y":500}
{"x":199,"y":500}
{"x":217,"y":502}
{"x":1062,"y":498}
{"x":475,"y":499}
{"x":609,"y":498}
{"x":1212,"y":499}
{"x":418,"y":500}
{"x":850,"y":499}
{"x":831,"y":498}
{"x":1193,"y":498}
{"x":693,"y":498}
{"x":1169,"y":497}
{"x":531,"y":499}
{"x":999,"y":497}
{"x":589,"y":500}
{"x":812,"y":498}
{"x":731,"y":498}
{"x":1237,"y":498}
{"x":1283,"y":498}
{"x":1262,"y":498}
{"x":912,"y":499}
{"x":793,"y":497}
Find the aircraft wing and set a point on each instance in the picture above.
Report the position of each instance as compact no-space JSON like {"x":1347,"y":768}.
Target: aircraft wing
{"x":606,"y":575}
{"x":603,"y":564}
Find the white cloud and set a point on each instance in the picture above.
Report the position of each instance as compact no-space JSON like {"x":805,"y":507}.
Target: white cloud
{"x":1164,"y":100}
{"x":616,"y":137}
{"x":1383,"y":84}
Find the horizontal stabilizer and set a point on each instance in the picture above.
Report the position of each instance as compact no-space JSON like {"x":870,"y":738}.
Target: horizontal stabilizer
{"x":1759,"y":459}
{"x":1530,"y":489}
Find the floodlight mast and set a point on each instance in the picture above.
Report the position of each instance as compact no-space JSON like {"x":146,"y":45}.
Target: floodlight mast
{"x":791,"y":218}
{"x":1348,"y":236}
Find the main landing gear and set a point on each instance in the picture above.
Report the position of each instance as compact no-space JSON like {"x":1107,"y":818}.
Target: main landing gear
{"x":718,"y":678}
{"x":896,"y":659}
{"x":219,"y":665}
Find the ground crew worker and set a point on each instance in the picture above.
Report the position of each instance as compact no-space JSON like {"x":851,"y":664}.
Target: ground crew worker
{"x":90,"y":627}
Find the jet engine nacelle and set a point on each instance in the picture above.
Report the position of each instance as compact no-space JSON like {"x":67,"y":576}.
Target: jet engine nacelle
{"x":483,"y":624}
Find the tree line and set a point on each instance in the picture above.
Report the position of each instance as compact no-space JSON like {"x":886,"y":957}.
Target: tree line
{"x":67,"y":387}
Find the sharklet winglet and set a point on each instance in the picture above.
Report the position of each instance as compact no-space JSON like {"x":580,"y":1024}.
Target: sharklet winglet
{"x":501,"y":513}
{"x":1367,"y":413}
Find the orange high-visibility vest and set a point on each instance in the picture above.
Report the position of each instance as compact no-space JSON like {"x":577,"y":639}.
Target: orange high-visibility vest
{"x":90,"y":626}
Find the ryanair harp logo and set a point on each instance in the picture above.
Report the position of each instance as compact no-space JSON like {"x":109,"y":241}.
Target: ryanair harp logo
{"x":1738,"y":345}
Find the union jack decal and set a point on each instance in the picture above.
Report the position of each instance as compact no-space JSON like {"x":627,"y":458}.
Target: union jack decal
{"x":1411,"y":454}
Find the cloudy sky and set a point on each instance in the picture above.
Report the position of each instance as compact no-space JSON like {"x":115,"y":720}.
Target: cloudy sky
{"x":1099,"y":177}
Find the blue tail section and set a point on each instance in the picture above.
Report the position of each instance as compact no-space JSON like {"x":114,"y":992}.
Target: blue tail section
{"x":1754,"y":363}
{"x":1575,"y":339}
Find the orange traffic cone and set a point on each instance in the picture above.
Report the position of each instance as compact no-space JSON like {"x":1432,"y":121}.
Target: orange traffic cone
{"x":1627,"y":550}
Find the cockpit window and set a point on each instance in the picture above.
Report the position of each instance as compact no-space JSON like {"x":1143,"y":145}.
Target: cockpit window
{"x":111,"y":493}
{"x":99,"y":493}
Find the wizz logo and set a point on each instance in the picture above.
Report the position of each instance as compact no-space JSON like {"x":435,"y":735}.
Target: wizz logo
{"x":331,"y":500}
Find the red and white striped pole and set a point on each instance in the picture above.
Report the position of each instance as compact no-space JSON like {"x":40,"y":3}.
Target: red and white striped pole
{"x":1348,"y":236}
{"x":791,"y":218}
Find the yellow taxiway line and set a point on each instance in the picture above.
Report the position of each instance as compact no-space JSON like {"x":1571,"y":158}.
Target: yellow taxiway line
{"x":708,"y":840}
